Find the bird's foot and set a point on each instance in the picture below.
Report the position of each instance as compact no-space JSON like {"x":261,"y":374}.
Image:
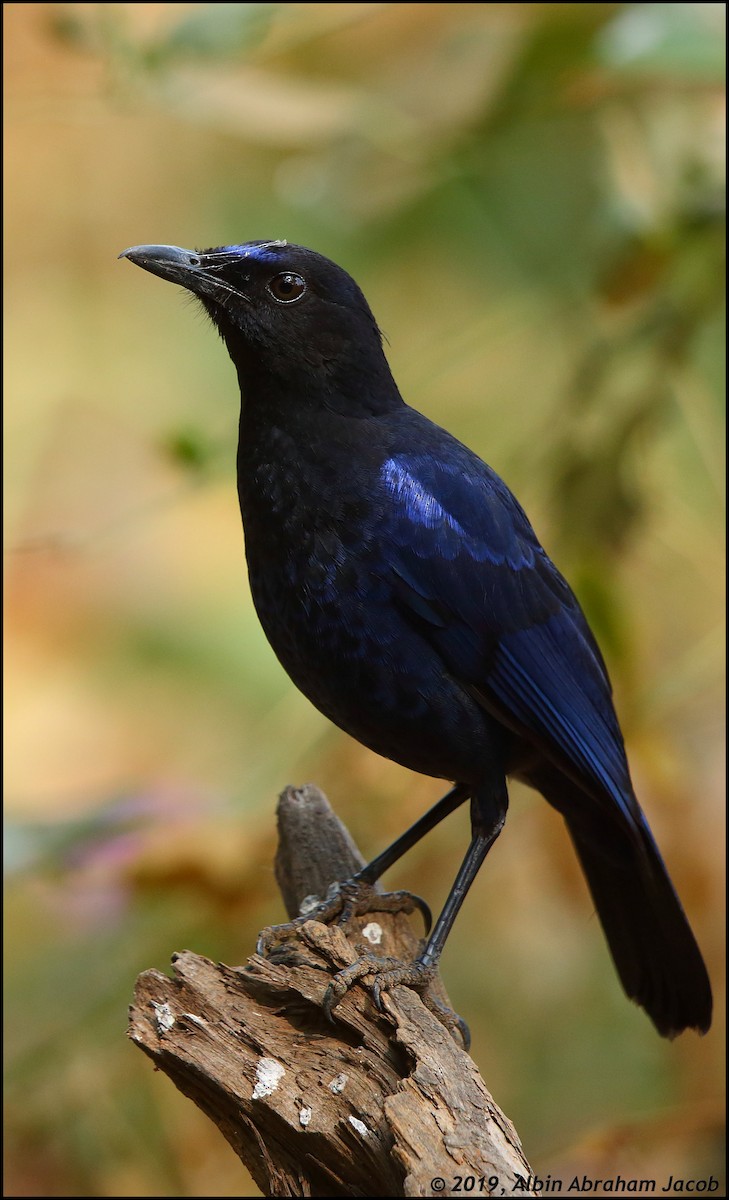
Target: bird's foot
{"x":389,"y":973}
{"x":343,"y":901}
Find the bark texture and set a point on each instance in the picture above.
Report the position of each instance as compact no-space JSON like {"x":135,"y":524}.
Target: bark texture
{"x":373,"y":1104}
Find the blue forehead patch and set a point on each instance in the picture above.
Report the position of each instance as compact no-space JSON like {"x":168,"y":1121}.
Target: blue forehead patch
{"x":262,"y":251}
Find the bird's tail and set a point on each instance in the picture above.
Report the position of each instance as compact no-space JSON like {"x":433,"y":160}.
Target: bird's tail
{"x":650,"y":940}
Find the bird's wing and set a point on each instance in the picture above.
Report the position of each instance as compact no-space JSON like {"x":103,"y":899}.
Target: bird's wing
{"x":468,"y":569}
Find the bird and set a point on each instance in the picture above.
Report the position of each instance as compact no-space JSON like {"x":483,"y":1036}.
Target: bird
{"x":404,"y":591}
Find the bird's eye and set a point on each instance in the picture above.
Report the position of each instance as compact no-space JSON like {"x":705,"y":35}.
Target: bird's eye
{"x":287,"y":287}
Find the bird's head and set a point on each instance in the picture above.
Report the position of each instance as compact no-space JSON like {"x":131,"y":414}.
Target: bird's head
{"x":282,"y":310}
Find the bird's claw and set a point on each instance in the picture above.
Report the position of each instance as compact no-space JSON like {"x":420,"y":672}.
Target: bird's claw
{"x":312,"y":909}
{"x":354,"y":898}
{"x":389,"y":973}
{"x":405,"y":902}
{"x":367,"y":964}
{"x":358,"y":897}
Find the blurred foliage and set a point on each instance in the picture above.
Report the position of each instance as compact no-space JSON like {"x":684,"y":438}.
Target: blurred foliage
{"x":531,"y":196}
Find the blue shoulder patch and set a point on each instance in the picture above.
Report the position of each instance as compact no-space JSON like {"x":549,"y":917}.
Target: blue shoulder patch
{"x":421,"y":505}
{"x":473,"y":514}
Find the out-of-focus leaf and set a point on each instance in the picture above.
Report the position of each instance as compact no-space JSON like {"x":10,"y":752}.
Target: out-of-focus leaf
{"x":680,"y":40}
{"x":189,"y":448}
{"x":215,"y":31}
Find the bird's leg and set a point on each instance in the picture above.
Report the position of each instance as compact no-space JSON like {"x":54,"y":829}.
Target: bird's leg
{"x":488,"y":812}
{"x":357,"y":895}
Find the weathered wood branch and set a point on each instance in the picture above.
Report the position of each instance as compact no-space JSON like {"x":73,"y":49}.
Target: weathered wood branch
{"x":374,"y":1104}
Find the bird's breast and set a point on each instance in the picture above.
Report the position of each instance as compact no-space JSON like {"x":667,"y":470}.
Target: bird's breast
{"x":324,"y":596}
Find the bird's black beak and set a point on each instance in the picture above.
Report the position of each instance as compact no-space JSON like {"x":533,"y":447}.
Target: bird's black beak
{"x":169,"y":262}
{"x":197,"y":272}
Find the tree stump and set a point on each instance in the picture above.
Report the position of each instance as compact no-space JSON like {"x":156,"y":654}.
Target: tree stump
{"x":373,"y":1104}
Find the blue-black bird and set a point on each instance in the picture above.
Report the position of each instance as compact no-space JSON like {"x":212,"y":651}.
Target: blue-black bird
{"x":405,"y":592}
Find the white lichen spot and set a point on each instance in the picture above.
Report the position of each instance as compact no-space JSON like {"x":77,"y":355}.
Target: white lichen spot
{"x":373,"y":933}
{"x":304,"y":1116}
{"x":359,"y":1126}
{"x":269,"y":1074}
{"x":195,"y":1020}
{"x":308,"y":905}
{"x":165,"y":1017}
{"x":339,"y":1083}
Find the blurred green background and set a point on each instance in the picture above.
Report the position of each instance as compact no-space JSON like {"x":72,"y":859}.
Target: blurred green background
{"x":531,"y":196}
